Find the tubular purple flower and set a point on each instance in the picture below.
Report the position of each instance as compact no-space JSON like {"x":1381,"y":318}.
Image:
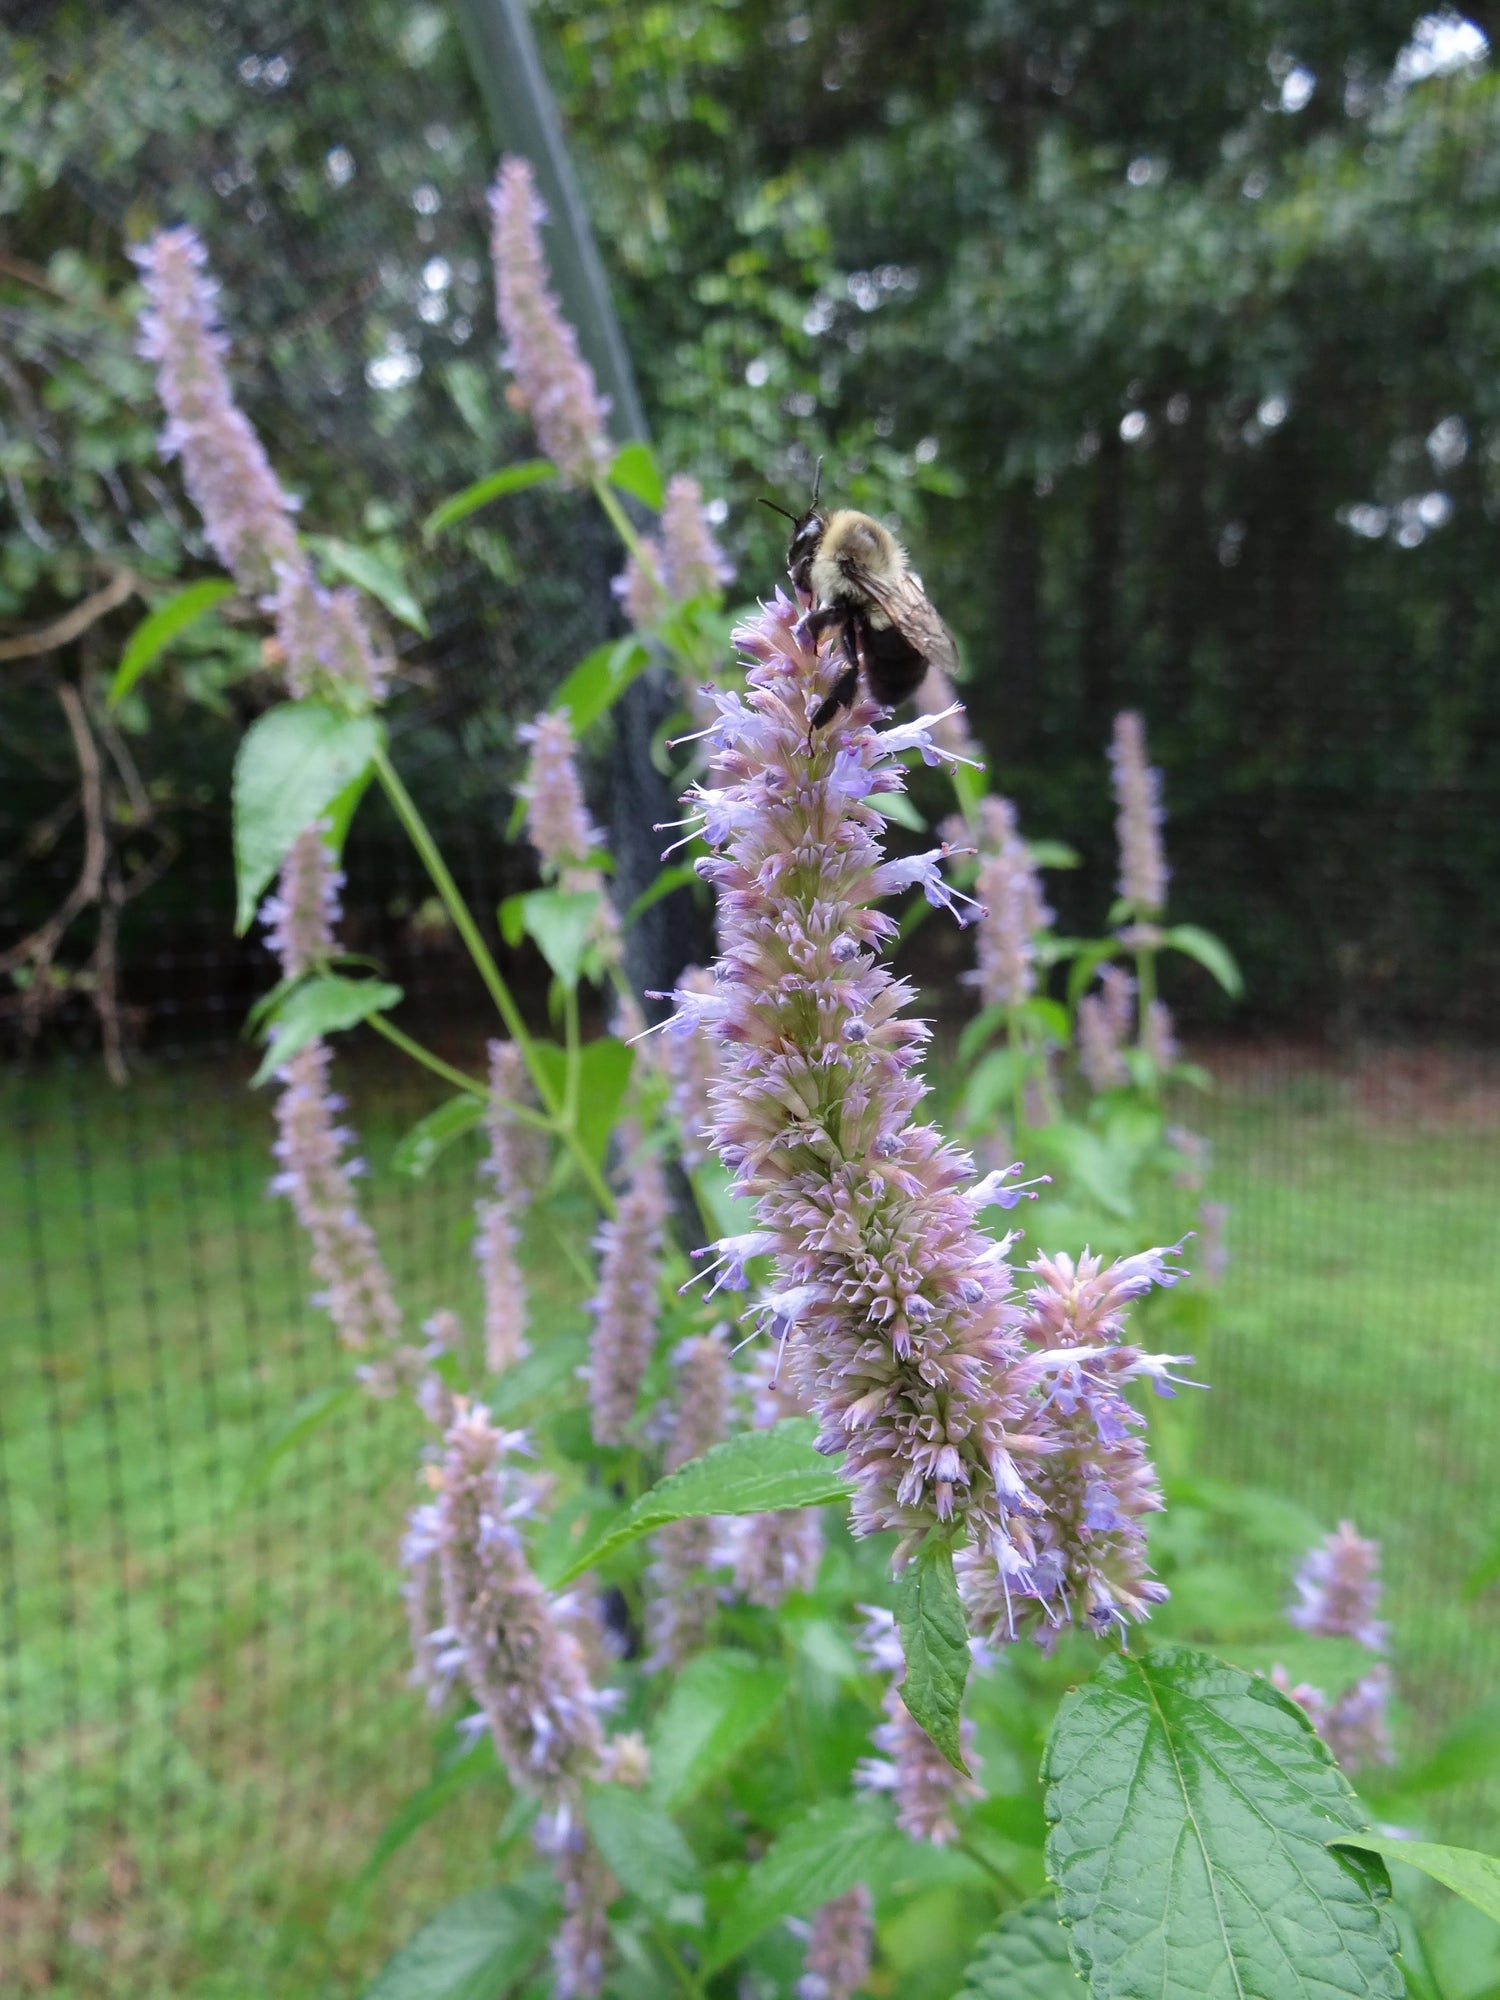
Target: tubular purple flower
{"x":1338,"y":1590}
{"x":1010,"y":890}
{"x":1096,"y":1484}
{"x":497,"y":1253}
{"x":521,"y":1664}
{"x":892,"y":1305}
{"x":354,"y":1285}
{"x":1103,"y":1026}
{"x":923,"y":1784}
{"x":836,"y":1963}
{"x":580,"y":1949}
{"x":629,"y":1246}
{"x":514,"y":1164}
{"x":690,"y":1057}
{"x":1143,"y":866}
{"x":554,"y":384}
{"x":773,"y":1555}
{"x":680,"y":1597}
{"x":638,"y":586}
{"x":516,"y":1153}
{"x":245,"y":510}
{"x":1159,"y":1036}
{"x":1357,"y":1726}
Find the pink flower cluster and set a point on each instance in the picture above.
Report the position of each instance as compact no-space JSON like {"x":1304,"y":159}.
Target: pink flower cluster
{"x":1010,"y":890}
{"x":1338,"y":1594}
{"x":683,"y":562}
{"x":1143,"y":864}
{"x":514,"y":1165}
{"x":836,"y":1961}
{"x":624,"y":1308}
{"x":1104,"y":1023}
{"x":248,"y":515}
{"x":561,"y":829}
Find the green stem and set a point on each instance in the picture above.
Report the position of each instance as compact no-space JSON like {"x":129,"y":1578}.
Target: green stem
{"x":993,"y":1870}
{"x":571,"y":1058}
{"x":463,"y":921}
{"x":620,"y":521}
{"x":1145,"y":996}
{"x":687,"y":1979}
{"x":468,"y":1084}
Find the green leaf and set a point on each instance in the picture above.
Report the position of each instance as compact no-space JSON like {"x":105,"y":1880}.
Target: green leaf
{"x":898,"y":807}
{"x":593,"y":687}
{"x":1087,"y":962}
{"x":989,"y":1086}
{"x":307,"y":1415}
{"x":1191,"y":1806}
{"x":293,"y":763}
{"x":1213,"y":956}
{"x":321,"y":1007}
{"x":374,"y":571}
{"x":758,"y":1472}
{"x":1024,"y":1958}
{"x":511,"y":479}
{"x":418,"y":1150}
{"x":1332,"y":1664}
{"x":1475,"y":1877}
{"x":968,"y":789}
{"x":559,"y":921}
{"x":935,"y":1642}
{"x":1052,"y":854}
{"x":681,"y":877}
{"x":641,"y":1844}
{"x":479,"y":1948}
{"x":477,"y":1765}
{"x":636,"y":472}
{"x":718,"y":1704}
{"x":548,"y":1373}
{"x":821,"y":1856}
{"x":604,"y":1068}
{"x":978,"y":1031}
{"x":160,"y":627}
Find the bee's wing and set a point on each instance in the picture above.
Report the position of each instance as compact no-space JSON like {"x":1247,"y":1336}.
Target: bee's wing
{"x":910,"y":610}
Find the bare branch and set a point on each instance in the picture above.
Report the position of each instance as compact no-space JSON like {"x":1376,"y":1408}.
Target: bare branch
{"x":73,"y":624}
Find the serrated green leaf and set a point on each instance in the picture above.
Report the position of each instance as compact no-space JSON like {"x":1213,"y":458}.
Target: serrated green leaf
{"x":374,"y":571}
{"x":1332,"y":1664}
{"x":758,"y":1472}
{"x":510,"y":479}
{"x":307,"y":1415}
{"x":636,"y":472}
{"x":593,"y":687}
{"x":418,"y":1150}
{"x":319,"y":1007}
{"x":479,"y":1948}
{"x":1474,"y":1876}
{"x":559,"y":922}
{"x":935,"y":1644}
{"x":896,"y":806}
{"x":718,"y":1704}
{"x":1211,"y":954}
{"x":161,"y":626}
{"x":1024,"y":1958}
{"x":823,"y":1855}
{"x":293,"y":763}
{"x":641,"y":1845}
{"x":1191,"y":1807}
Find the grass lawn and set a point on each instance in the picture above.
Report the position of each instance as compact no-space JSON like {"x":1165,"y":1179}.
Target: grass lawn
{"x":204,"y":1723}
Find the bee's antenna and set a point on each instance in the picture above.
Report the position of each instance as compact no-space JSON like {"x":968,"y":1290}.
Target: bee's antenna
{"x":777,"y":508}
{"x":817,"y":479}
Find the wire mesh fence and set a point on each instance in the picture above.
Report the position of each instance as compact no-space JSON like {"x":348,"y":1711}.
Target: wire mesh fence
{"x":202,"y":1660}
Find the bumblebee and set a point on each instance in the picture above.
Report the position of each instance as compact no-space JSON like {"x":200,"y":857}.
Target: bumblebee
{"x":862,"y":585}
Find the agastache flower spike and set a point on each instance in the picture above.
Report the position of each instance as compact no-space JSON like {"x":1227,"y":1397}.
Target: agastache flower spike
{"x":836,"y":1963}
{"x":899,"y":1330}
{"x":558,"y":822}
{"x":1096,"y":1484}
{"x":1338,"y":1592}
{"x":690,"y":1057}
{"x":923,"y":1784}
{"x":513,"y":1165}
{"x":625,"y":1306}
{"x":693,"y":564}
{"x":680,"y":1597}
{"x":1137,"y":785}
{"x":248,"y":515}
{"x":315,"y":1175}
{"x":1010,"y":889}
{"x":553,"y":382}
{"x":1104,"y":1020}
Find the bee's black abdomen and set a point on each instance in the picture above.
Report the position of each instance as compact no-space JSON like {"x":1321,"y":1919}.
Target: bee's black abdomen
{"x":894,"y":667}
{"x":839,"y":696}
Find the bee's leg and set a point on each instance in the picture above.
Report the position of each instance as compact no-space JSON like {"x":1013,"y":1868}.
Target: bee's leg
{"x":823,"y":619}
{"x":840,"y":696}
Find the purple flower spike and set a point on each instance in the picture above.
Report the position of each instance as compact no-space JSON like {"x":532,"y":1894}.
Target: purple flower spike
{"x":836,"y":1963}
{"x":680,"y":1594}
{"x":625,"y":1307}
{"x":1338,"y":1590}
{"x":553,"y":382}
{"x":1143,"y":865}
{"x":1010,"y":890}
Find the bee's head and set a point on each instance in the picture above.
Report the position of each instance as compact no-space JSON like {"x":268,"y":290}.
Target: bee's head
{"x":807,"y":533}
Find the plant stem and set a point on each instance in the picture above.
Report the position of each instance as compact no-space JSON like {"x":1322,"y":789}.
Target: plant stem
{"x":469,"y":1084}
{"x":620,"y":521}
{"x":993,"y":1870}
{"x":453,"y":902}
{"x":571,"y":1055}
{"x":686,"y":1977}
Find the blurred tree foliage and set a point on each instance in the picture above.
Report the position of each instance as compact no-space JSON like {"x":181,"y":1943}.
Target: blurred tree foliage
{"x":1168,"y":334}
